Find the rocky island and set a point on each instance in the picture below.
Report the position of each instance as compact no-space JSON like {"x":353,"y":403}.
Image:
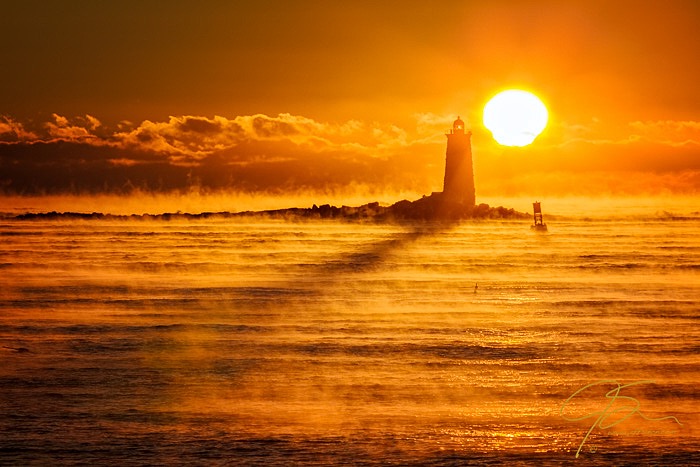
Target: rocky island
{"x":428,"y":208}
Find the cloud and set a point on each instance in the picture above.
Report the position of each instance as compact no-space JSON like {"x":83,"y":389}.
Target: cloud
{"x":12,"y":131}
{"x":188,"y":139}
{"x":198,"y":136}
{"x":245,"y":153}
{"x":284,"y":153}
{"x":428,"y":122}
{"x":668,"y":132}
{"x":81,"y":130}
{"x":92,"y":122}
{"x":182,"y":138}
{"x":672,"y":133}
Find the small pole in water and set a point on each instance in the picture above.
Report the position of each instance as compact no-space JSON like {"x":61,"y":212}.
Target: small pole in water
{"x":476,"y":287}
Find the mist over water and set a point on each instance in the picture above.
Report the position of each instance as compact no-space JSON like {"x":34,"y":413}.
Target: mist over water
{"x":278,"y":342}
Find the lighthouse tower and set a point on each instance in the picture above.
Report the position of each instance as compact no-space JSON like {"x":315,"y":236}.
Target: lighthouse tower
{"x":459,"y":171}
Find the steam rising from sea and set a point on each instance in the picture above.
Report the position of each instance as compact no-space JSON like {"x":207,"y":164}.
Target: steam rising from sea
{"x":273,"y":342}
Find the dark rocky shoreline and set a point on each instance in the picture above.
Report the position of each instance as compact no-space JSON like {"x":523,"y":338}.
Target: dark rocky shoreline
{"x":429,"y":208}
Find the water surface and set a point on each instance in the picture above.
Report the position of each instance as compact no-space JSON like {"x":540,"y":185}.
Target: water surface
{"x":278,"y":342}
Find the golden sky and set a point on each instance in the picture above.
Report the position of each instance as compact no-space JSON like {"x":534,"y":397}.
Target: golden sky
{"x":281,"y":96}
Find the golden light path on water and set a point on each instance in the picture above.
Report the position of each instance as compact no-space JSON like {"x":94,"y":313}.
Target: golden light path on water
{"x":269,"y":341}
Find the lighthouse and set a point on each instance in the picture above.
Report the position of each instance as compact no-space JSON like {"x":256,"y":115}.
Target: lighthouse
{"x":459,"y":171}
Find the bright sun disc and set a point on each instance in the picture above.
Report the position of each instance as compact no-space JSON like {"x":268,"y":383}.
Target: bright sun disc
{"x":515,"y":117}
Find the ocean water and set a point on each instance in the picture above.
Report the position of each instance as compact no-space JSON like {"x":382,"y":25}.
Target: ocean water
{"x":273,"y":342}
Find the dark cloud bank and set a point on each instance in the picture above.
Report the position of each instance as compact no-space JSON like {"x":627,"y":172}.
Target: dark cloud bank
{"x":247,"y":154}
{"x":289,"y":154}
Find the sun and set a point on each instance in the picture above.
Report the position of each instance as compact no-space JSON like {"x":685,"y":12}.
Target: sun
{"x":515,"y":117}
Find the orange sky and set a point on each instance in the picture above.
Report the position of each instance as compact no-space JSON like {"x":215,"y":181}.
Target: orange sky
{"x":277,"y":96}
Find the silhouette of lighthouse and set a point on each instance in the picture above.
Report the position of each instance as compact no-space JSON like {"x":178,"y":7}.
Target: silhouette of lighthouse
{"x":459,"y":171}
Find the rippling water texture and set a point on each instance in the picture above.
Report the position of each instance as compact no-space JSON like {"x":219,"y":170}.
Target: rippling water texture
{"x":272,"y":342}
